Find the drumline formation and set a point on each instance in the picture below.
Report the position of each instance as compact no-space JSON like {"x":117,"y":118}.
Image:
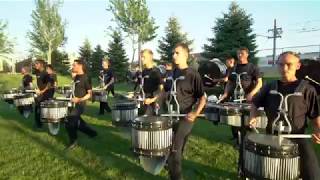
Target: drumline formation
{"x":262,"y":156}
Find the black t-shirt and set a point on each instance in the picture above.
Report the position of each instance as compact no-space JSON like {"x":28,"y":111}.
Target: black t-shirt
{"x":53,"y":77}
{"x":26,"y":80}
{"x":299,"y":107}
{"x":249,"y":80}
{"x":189,"y":90}
{"x":107,"y":74}
{"x":152,"y":81}
{"x":82,"y":85}
{"x":43,"y":79}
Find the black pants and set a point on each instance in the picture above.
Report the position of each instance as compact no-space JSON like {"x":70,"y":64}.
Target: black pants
{"x":181,"y":135}
{"x":75,"y":122}
{"x":38,"y":100}
{"x":104,"y":106}
{"x":309,"y":166}
{"x":234,"y":131}
{"x":110,"y":89}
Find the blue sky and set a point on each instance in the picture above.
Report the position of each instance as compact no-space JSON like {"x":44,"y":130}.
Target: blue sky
{"x":89,"y":19}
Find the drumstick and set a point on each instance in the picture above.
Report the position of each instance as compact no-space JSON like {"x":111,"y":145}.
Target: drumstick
{"x":178,"y":115}
{"x":304,"y":136}
{"x":312,"y":80}
{"x":239,"y":100}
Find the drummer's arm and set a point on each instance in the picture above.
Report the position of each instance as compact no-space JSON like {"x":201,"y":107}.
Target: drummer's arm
{"x":253,"y":115}
{"x":87,"y":96}
{"x":107,"y":85}
{"x":316,"y":130}
{"x":226,"y":91}
{"x":256,"y":88}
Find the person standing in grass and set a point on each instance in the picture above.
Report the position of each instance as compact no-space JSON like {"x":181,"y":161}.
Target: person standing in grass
{"x":189,"y":92}
{"x":82,"y":92}
{"x":27,"y":78}
{"x":44,"y":91}
{"x":152,"y":85}
{"x":52,"y":74}
{"x":300,"y":108}
{"x":107,"y":83}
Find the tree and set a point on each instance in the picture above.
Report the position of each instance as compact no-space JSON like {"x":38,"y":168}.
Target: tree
{"x":6,"y":46}
{"x":48,"y":29}
{"x":133,"y":18}
{"x":232,"y":31}
{"x":58,"y":59}
{"x":173,"y":36}
{"x":85,"y":52}
{"x":96,"y":58}
{"x":117,"y":56}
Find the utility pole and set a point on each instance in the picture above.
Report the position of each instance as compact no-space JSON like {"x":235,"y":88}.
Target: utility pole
{"x":276,"y":33}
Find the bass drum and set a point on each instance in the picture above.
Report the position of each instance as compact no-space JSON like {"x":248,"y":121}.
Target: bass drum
{"x":211,"y":71}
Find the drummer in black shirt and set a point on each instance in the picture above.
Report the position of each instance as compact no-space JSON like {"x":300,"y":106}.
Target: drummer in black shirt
{"x":189,"y":92}
{"x":52,"y":74}
{"x":230,"y":63}
{"x":299,"y":109}
{"x":153,"y":83}
{"x":26,"y":79}
{"x":44,"y":91}
{"x":251,"y":82}
{"x":82,"y":92}
{"x":107,"y":82}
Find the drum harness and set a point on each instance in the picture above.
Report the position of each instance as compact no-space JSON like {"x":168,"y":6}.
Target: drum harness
{"x":238,"y":93}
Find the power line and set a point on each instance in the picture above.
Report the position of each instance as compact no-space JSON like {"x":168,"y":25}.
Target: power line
{"x":276,"y":33}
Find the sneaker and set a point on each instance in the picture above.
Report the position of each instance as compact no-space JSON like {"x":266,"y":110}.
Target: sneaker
{"x":71,"y":145}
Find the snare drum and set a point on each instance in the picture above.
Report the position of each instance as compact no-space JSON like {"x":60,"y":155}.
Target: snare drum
{"x":53,"y":111}
{"x":99,"y":95}
{"x":262,"y":119}
{"x":23,"y":100}
{"x":123,"y":113}
{"x":230,"y":114}
{"x":64,"y":90}
{"x":151,"y":136}
{"x":8,"y":96}
{"x":266,"y":158}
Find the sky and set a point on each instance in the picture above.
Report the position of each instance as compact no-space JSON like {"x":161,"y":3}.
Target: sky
{"x":299,"y":20}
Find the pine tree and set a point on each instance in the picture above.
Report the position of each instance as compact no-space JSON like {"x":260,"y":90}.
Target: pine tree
{"x":85,"y":52}
{"x":173,"y":36}
{"x":231,"y":32}
{"x":96,"y":60}
{"x":117,"y":56}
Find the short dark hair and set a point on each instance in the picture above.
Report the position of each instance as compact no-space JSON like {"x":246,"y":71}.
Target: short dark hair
{"x":227,"y":57}
{"x":50,"y":67}
{"x":244,"y":49}
{"x":183,"y":46}
{"x":40,"y":61}
{"x":289,"y":53}
{"x":82,"y":63}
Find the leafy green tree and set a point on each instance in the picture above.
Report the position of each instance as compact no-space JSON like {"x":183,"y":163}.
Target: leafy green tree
{"x":48,"y":28}
{"x":85,"y":52}
{"x":96,"y":60}
{"x":6,"y":46}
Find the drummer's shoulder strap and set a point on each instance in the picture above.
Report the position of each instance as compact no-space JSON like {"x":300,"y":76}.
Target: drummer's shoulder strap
{"x":302,"y":85}
{"x":300,"y":88}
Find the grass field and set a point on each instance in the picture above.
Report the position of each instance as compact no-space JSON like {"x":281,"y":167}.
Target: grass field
{"x":27,"y":154}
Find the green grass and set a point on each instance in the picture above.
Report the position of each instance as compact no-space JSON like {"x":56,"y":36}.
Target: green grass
{"x":27,"y":154}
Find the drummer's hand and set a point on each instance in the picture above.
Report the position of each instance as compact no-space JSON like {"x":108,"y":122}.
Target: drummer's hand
{"x":191,"y":116}
{"x":249,"y":97}
{"x":148,"y":101}
{"x":316,"y":137}
{"x":38,"y":92}
{"x":253,"y":123}
{"x":76,"y":100}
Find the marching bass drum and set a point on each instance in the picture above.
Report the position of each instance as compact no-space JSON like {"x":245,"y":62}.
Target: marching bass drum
{"x":212,"y":70}
{"x":53,"y":112}
{"x":151,"y":138}
{"x":267,"y":158}
{"x":8,"y":96}
{"x":24,"y":103}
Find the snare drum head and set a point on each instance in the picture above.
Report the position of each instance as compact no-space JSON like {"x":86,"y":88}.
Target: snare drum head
{"x":12,"y":91}
{"x":124,"y":105}
{"x":155,"y":121}
{"x":54,"y":104}
{"x":22,"y":96}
